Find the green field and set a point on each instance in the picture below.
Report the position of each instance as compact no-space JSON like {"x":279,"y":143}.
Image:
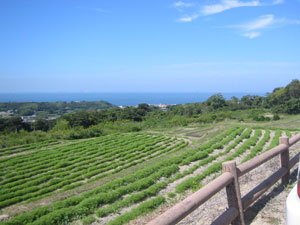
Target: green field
{"x":116,"y":178}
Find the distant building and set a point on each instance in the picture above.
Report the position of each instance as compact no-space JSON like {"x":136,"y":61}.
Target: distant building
{"x":52,"y":117}
{"x":7,"y":114}
{"x":28,"y":119}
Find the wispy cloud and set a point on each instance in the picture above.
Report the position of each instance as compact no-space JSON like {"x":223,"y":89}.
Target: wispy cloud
{"x":226,"y":5}
{"x":251,"y":35}
{"x":276,"y":2}
{"x":251,"y":29}
{"x":190,"y":18}
{"x":255,"y":27}
{"x":181,"y":4}
{"x":260,"y":23}
{"x":219,"y":7}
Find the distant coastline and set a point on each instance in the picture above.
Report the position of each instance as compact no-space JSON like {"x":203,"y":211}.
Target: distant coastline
{"x":119,"y":99}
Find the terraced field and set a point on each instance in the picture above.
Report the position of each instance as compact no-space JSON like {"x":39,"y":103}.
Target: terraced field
{"x":32,"y":173}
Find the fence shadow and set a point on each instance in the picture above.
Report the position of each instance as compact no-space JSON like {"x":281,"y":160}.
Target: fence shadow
{"x":253,"y":210}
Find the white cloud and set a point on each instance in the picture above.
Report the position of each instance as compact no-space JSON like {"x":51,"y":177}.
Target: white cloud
{"x":188,"y":18}
{"x":252,"y":35}
{"x":260,"y":23}
{"x":219,"y":7}
{"x":181,"y":4}
{"x":254,"y":28}
{"x":226,"y":5}
{"x":276,"y":2}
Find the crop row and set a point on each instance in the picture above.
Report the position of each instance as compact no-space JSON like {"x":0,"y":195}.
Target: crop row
{"x":113,"y":186}
{"x":49,"y":160}
{"x":44,"y":163}
{"x":13,"y":150}
{"x":134,"y":198}
{"x":258,"y":147}
{"x":275,"y":140}
{"x":64,"y":179}
{"x":194,"y":182}
{"x":250,"y":143}
{"x":90,"y":201}
{"x":87,"y":202}
{"x":224,"y":139}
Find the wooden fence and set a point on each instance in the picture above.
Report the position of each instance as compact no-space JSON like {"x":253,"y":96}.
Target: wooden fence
{"x":229,"y":180}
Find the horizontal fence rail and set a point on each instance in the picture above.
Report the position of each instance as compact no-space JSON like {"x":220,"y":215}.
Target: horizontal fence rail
{"x":229,"y":180}
{"x":182,"y":209}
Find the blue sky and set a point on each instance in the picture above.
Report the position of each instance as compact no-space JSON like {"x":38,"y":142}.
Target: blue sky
{"x":148,"y":46}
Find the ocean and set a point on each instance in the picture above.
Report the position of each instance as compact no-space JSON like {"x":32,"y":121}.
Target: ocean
{"x":119,"y":99}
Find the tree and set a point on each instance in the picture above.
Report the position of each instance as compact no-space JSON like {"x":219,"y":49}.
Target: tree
{"x":216,"y":101}
{"x":41,"y":124}
{"x":61,"y":124}
{"x":292,"y":90}
{"x":293,"y":106}
{"x":15,"y":123}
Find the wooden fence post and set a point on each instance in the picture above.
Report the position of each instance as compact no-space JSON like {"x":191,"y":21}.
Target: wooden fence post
{"x":285,"y":160}
{"x":233,"y":192}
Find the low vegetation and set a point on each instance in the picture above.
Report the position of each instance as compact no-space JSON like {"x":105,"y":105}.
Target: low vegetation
{"x":114,"y":165}
{"x":55,"y":168}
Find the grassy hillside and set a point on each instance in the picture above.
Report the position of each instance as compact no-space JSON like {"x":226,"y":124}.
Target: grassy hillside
{"x":116,"y":178}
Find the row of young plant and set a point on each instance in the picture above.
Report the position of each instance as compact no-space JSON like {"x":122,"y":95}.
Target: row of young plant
{"x":275,"y":140}
{"x":107,"y":188}
{"x":43,"y":161}
{"x":216,"y":143}
{"x":258,"y":147}
{"x":255,"y":149}
{"x":154,"y":189}
{"x":224,"y":139}
{"x":135,"y":197}
{"x":87,"y":202}
{"x":28,"y":147}
{"x":31,"y":190}
{"x":169,"y":150}
{"x":113,"y":208}
{"x":188,"y":154}
{"x":48,"y":159}
{"x":46,"y":189}
{"x":194,"y":182}
{"x":251,"y":142}
{"x":237,"y":138}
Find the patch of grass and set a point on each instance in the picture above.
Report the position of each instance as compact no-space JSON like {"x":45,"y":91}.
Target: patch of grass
{"x":274,"y":220}
{"x":88,"y":220}
{"x":171,"y":195}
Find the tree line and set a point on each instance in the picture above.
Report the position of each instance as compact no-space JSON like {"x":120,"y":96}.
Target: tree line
{"x":89,"y":123}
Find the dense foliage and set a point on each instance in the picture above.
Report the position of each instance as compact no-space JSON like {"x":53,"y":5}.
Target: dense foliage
{"x":286,"y":99}
{"x":30,"y":108}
